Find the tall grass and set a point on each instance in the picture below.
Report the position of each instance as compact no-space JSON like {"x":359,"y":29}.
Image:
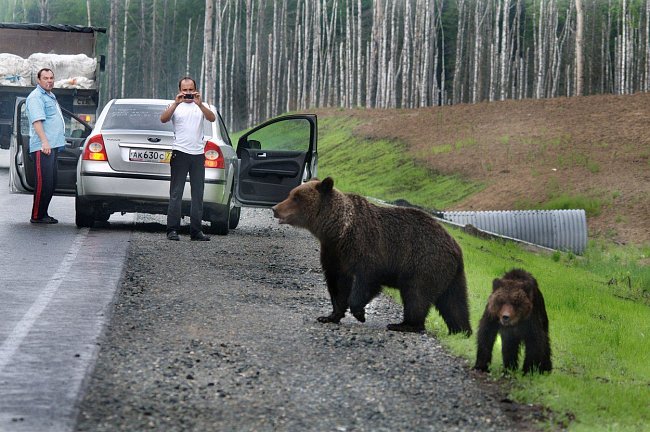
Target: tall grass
{"x":597,"y":303}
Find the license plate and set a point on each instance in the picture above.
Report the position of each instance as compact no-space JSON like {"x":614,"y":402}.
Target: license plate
{"x":156,"y":156}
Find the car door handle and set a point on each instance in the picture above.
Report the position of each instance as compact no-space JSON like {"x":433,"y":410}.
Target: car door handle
{"x":261,"y":155}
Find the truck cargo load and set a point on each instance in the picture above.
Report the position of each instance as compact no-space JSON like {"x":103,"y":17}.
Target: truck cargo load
{"x":68,"y":50}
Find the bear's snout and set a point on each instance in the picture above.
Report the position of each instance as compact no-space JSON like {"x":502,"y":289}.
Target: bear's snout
{"x":276,"y":214}
{"x":505,"y":315}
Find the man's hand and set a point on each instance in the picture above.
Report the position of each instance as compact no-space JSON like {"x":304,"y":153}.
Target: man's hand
{"x":45,"y":148}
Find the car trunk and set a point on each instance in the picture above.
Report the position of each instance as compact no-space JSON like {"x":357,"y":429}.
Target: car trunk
{"x":145,"y":152}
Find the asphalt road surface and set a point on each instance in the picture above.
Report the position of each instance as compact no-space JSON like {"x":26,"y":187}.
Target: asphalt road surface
{"x":56,"y":289}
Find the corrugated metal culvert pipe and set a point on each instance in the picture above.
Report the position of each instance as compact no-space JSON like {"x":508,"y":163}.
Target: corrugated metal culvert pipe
{"x":564,"y":230}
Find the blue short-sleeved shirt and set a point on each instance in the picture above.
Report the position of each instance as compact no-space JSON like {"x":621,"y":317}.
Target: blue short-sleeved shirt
{"x":43,"y":106}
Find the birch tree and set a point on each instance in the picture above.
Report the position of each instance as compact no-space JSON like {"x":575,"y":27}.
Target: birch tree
{"x":124,"y":40}
{"x":208,"y":28}
{"x":579,"y":48}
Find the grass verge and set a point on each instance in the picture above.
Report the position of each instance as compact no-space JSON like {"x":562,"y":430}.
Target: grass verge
{"x":597,"y":303}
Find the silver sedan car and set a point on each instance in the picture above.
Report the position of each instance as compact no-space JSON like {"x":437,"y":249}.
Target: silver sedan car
{"x":122,"y":165}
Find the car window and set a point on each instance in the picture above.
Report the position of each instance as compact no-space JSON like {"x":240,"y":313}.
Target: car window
{"x":136,"y":117}
{"x":220,"y":130}
{"x":73,"y":128}
{"x":290,"y":134}
{"x":24,"y":120}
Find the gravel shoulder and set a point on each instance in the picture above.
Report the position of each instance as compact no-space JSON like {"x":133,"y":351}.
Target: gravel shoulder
{"x":222,"y":335}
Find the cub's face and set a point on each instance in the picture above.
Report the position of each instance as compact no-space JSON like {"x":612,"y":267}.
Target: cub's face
{"x":509,"y":303}
{"x":300,"y":207}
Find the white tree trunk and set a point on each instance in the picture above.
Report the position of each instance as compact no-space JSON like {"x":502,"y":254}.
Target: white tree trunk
{"x":206,"y":68}
{"x":124,"y":38}
{"x":579,"y":48}
{"x":359,"y":49}
{"x":457,"y":81}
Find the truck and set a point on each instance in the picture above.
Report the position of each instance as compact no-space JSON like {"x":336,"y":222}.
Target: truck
{"x":69,"y":50}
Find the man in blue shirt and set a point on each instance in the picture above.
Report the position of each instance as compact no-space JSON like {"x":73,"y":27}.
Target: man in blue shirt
{"x":46,"y":137}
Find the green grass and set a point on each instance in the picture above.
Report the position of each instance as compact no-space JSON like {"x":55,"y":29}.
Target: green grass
{"x":600,"y":340}
{"x":597,"y":303}
{"x":382,"y":169}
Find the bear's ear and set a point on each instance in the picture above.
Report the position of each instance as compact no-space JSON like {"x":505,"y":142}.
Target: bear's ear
{"x":496,"y":283}
{"x":326,"y":185}
{"x":530,"y":287}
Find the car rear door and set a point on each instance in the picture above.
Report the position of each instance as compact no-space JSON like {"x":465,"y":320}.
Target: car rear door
{"x":275,"y":157}
{"x":21,"y":162}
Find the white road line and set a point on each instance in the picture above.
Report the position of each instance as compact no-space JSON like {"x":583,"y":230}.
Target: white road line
{"x":16,"y":337}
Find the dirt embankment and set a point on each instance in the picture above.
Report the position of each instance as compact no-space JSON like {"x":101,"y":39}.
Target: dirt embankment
{"x":528,"y":152}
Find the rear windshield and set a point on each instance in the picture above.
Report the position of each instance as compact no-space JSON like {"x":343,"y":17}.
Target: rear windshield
{"x":141,"y":118}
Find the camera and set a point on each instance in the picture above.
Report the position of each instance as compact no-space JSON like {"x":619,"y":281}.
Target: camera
{"x":188,"y":96}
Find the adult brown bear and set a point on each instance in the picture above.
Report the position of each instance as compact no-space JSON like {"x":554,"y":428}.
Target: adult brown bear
{"x":516,"y":311}
{"x":365,"y":246}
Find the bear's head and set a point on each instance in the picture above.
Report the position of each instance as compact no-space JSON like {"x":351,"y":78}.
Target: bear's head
{"x":303,"y":204}
{"x":511,"y":301}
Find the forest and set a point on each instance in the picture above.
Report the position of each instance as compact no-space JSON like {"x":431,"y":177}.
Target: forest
{"x":255,"y":59}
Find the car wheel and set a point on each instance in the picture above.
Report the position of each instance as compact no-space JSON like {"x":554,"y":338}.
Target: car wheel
{"x":84,"y":214}
{"x":235,"y":214}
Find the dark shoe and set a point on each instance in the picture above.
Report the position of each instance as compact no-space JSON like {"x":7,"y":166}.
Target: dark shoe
{"x":200,"y":237}
{"x":45,"y":220}
{"x":173,"y":235}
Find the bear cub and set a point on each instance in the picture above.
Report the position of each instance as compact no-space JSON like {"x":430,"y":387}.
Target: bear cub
{"x":516,"y":311}
{"x":365,"y":246}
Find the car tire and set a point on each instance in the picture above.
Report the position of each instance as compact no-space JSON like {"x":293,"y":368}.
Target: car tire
{"x":235,"y":214}
{"x":84,"y":214}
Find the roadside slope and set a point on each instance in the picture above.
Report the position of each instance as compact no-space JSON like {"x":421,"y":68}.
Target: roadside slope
{"x":528,"y":153}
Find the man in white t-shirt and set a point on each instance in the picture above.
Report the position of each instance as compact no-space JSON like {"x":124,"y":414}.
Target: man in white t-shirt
{"x":187,"y":113}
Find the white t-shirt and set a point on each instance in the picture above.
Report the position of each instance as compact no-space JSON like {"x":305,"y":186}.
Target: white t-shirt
{"x":188,"y":128}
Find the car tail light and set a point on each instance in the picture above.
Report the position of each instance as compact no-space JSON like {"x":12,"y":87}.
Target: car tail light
{"x":95,"y":149}
{"x":213,"y":155}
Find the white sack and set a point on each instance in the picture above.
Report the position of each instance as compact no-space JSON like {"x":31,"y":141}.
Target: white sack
{"x":64,"y":66}
{"x":14,"y":70}
{"x":75,"y":82}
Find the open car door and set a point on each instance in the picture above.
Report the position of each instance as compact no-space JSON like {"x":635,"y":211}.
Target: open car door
{"x":275,"y":157}
{"x":21,"y":165}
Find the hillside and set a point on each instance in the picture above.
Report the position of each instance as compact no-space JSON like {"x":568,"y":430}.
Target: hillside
{"x":591,"y":152}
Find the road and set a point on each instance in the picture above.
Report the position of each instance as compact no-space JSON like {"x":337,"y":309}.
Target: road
{"x":56,"y":289}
